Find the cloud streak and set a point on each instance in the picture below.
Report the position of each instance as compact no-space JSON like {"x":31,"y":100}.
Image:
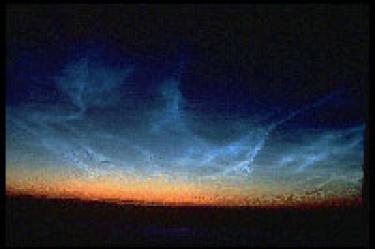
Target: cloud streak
{"x":87,"y":138}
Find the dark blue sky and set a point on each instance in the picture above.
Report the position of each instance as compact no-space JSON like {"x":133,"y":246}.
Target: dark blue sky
{"x":271,"y":91}
{"x":234,"y":59}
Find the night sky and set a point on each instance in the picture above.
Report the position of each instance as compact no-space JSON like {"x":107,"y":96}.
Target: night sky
{"x":203,"y":104}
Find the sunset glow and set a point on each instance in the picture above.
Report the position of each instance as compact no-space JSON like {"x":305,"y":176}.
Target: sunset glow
{"x":191,"y":122}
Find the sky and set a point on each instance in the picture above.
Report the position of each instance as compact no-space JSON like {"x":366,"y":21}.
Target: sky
{"x":204,"y":104}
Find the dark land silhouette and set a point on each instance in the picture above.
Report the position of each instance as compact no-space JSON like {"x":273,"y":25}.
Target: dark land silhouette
{"x":36,"y":221}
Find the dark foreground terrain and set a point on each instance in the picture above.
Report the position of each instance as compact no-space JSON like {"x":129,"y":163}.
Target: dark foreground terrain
{"x":48,"y":222}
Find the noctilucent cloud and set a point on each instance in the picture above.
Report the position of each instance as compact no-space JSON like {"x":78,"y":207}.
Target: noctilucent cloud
{"x":103,"y":124}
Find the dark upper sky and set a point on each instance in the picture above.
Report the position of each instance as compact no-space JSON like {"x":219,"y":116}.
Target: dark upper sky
{"x":291,"y":68}
{"x":281,"y":54}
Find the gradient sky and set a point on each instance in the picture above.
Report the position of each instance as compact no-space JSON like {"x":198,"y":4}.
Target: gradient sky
{"x":203,"y":104}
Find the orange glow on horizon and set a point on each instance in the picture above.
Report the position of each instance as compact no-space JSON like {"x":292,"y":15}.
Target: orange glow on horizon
{"x":120,"y":188}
